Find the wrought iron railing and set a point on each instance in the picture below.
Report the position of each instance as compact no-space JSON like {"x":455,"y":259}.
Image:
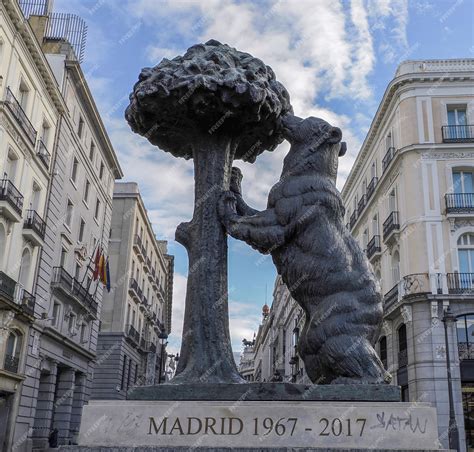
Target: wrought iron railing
{"x":353,"y":219}
{"x":35,"y":223}
{"x":466,"y":350}
{"x":26,"y":300}
{"x":459,"y":202}
{"x":7,"y":286}
{"x":392,"y":223}
{"x":402,"y":358}
{"x":458,"y":133}
{"x":373,"y":246}
{"x":10,"y":194}
{"x":11,"y":363}
{"x":371,"y":187}
{"x":388,"y":157}
{"x":391,"y":296}
{"x":460,"y":283}
{"x":62,"y":279}
{"x":361,"y":205}
{"x":17,"y":111}
{"x":43,"y":153}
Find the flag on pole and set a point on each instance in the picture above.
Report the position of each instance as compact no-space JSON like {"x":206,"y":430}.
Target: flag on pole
{"x":95,"y":274}
{"x":101,"y":268}
{"x":107,"y":274}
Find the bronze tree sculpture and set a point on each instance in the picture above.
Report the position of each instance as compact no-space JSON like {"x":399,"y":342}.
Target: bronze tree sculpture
{"x":322,"y":265}
{"x":214,"y":104}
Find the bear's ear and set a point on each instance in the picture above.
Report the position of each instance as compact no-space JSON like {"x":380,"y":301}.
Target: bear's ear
{"x":335,"y":135}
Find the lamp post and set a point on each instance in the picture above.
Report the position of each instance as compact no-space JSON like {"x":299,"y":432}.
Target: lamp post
{"x":450,"y":318}
{"x":162,"y":338}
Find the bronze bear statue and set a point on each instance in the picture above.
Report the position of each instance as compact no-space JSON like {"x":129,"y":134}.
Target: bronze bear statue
{"x":322,"y":265}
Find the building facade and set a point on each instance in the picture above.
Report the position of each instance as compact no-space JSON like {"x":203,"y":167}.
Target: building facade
{"x":30,"y":109}
{"x":138,"y":307}
{"x":72,"y":211}
{"x":410,"y":204}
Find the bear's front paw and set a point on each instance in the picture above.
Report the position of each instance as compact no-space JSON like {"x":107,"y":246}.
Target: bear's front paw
{"x":226,"y":206}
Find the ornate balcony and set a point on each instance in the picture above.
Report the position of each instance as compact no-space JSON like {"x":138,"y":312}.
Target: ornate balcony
{"x":11,"y":201}
{"x":26,"y":300}
{"x":373,"y":248}
{"x":460,"y":283}
{"x":17,"y":111}
{"x":133,"y":289}
{"x":388,"y":157}
{"x":361,"y":205}
{"x":71,"y":287}
{"x":146,"y":264}
{"x":43,"y":153}
{"x":459,"y":203}
{"x":391,"y":297}
{"x":371,"y":187}
{"x":458,"y":134}
{"x":34,"y":228}
{"x":7,"y":287}
{"x":138,"y":247}
{"x":465,"y":350}
{"x":133,"y":334}
{"x":11,"y":364}
{"x":391,"y":226}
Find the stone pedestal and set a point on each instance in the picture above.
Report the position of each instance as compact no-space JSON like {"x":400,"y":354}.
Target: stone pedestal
{"x":260,"y":417}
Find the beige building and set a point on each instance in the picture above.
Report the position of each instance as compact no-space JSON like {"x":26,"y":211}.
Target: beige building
{"x":410,"y":204}
{"x":30,"y":107}
{"x":138,"y":307}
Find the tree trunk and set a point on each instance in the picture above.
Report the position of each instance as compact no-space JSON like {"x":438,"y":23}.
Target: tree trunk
{"x":206,"y":352}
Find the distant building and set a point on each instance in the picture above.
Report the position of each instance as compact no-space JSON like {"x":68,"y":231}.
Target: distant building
{"x":30,"y":110}
{"x":138,"y":307}
{"x":275,"y":354}
{"x":69,"y":168}
{"x":410,"y":204}
{"x":247,"y":360}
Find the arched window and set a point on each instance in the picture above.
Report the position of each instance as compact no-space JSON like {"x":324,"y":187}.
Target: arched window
{"x":25,"y":265}
{"x":13,"y":350}
{"x":395,"y":267}
{"x":383,"y":350}
{"x":402,"y":346}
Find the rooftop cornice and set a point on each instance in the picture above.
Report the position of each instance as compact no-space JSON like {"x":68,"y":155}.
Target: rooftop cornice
{"x":22,"y":26}
{"x":464,"y":71}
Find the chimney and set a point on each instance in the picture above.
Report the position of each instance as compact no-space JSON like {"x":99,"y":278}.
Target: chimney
{"x":38,"y":25}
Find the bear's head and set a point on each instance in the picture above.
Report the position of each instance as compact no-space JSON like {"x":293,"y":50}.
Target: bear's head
{"x":315,"y":146}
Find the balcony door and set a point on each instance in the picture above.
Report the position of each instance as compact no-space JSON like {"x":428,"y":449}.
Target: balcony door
{"x":457,"y":122}
{"x":465,"y":278}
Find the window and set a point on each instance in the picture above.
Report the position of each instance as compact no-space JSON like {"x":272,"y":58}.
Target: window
{"x":464,"y":280}
{"x":83,"y":332}
{"x":129,"y":308}
{"x":383,"y":350}
{"x":97,"y":209}
{"x":45,"y":132}
{"x":55,"y":320}
{"x":72,"y":322}
{"x":77,"y":272}
{"x":388,"y":141}
{"x":80,"y":128}
{"x":101,"y":170}
{"x":81,"y":230}
{"x":457,"y":115}
{"x":87,"y":187}
{"x":465,"y":335}
{"x":69,"y":212}
{"x":25,"y":266}
{"x":463,"y":182}
{"x":92,"y":152}
{"x":392,"y":201}
{"x":23,"y":95}
{"x":124,"y":368}
{"x":373,"y":170}
{"x":75,"y":165}
{"x":13,"y":351}
{"x":63,"y":259}
{"x":402,"y":346}
{"x":365,"y":238}
{"x":395,"y":267}
{"x":375,"y":225}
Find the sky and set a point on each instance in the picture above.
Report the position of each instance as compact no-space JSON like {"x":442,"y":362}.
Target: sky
{"x":335,"y":57}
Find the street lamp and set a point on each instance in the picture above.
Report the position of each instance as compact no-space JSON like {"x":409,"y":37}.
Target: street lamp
{"x":162,"y":338}
{"x":450,"y":318}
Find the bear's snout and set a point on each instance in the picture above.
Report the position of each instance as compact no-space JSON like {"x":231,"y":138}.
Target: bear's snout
{"x":342,"y":149}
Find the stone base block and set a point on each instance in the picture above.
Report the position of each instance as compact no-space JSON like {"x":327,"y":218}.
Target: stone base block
{"x":245,"y":425}
{"x":227,"y":449}
{"x":266,"y":392}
